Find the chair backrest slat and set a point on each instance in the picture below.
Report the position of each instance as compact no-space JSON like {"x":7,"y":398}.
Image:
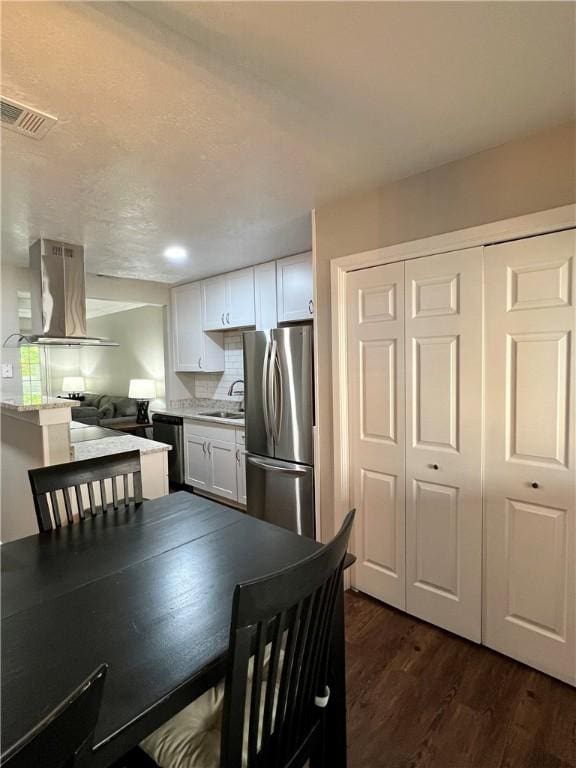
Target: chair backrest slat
{"x":67,"y":505}
{"x":64,"y":738}
{"x":92,"y":499}
{"x":103,"y":496}
{"x":79,"y":502}
{"x":90,"y":474}
{"x":278,"y":662}
{"x":114,"y":494}
{"x":55,"y":509}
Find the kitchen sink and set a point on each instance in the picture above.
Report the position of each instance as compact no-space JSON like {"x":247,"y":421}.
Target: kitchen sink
{"x":223,"y":414}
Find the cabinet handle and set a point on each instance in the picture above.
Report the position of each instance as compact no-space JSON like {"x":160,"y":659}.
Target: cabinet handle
{"x":209,"y":449}
{"x":535,"y":485}
{"x":228,"y":317}
{"x":223,"y":323}
{"x":238,"y":455}
{"x":435,"y":466}
{"x":311,"y":307}
{"x":204,"y":447}
{"x":199,"y":362}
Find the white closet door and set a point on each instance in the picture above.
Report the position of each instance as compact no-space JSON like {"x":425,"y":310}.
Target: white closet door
{"x":443,"y":440}
{"x":376,"y":408}
{"x":530,"y":471}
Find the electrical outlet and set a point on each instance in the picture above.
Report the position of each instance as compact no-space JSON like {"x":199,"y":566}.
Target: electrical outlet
{"x":7,"y":371}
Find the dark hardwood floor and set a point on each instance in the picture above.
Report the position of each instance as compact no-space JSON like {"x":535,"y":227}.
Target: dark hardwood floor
{"x":419,"y":697}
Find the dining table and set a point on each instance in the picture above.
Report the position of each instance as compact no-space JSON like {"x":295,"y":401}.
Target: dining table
{"x":147,"y":591}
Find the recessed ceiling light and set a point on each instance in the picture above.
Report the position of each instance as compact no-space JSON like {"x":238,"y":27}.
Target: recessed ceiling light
{"x":175,"y":253}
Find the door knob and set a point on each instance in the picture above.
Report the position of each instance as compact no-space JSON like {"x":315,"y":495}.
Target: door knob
{"x":534,"y":485}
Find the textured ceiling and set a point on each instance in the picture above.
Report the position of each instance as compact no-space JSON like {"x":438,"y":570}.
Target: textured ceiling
{"x":218,"y":126}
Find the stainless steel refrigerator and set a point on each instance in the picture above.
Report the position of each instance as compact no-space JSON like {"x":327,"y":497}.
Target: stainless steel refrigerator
{"x":279,"y":405}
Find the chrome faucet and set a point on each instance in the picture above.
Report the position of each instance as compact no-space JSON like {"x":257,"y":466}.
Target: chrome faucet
{"x":231,"y":392}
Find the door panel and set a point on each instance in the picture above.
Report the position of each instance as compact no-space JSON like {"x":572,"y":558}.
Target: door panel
{"x":443,"y":444}
{"x":435,"y":395}
{"x":375,"y":335}
{"x":294,"y":287}
{"x":222,"y":459}
{"x":214,"y":303}
{"x":530,"y":530}
{"x":197,"y":467}
{"x":240,"y":298}
{"x":436,"y":525}
{"x":241,"y":474}
{"x":536,"y":414}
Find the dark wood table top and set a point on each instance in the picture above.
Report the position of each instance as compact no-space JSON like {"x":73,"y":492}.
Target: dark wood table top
{"x":149,"y":593}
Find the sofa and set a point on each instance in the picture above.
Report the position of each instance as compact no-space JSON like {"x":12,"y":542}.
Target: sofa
{"x":105,"y":410}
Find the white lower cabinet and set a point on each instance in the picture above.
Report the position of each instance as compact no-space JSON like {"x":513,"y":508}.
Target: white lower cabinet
{"x":214,"y":459}
{"x":222,"y":459}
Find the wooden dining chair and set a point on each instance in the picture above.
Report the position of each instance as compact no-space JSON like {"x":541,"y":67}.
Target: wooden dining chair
{"x":268,"y":713}
{"x":53,"y":485}
{"x":64,"y":738}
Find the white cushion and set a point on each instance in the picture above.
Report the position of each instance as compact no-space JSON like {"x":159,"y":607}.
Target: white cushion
{"x":191,"y":739}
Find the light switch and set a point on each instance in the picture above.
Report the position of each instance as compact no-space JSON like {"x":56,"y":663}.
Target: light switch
{"x":7,"y":371}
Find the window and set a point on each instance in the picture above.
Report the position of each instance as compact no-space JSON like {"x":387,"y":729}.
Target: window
{"x":31,"y":374}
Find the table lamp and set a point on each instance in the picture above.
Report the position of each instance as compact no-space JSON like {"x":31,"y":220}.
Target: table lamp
{"x":142,"y":390}
{"x":74,"y":385}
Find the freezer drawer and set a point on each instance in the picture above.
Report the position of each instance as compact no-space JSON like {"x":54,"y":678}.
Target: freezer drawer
{"x":281,"y":493}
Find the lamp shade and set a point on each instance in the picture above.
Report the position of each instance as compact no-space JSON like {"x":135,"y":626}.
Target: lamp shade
{"x":73,"y":384}
{"x":142,"y":389}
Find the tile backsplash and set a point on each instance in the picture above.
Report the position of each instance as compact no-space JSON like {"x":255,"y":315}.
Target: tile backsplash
{"x":215,"y":386}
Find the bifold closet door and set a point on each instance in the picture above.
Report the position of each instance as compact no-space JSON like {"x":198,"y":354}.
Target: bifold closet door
{"x":443,"y":440}
{"x":376,"y":423}
{"x":530,"y":472}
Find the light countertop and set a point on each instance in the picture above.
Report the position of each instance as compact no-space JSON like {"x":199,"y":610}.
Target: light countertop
{"x":36,"y":403}
{"x":90,"y":449}
{"x":193,"y":413}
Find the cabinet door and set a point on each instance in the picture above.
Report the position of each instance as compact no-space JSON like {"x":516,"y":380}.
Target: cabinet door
{"x":197,"y":464}
{"x":222,"y":458}
{"x":443,"y":300}
{"x":530,"y":421}
{"x":240,"y":298}
{"x":265,"y":296}
{"x":241,"y":473}
{"x":214,"y":303}
{"x":375,"y":332}
{"x":295,"y":288}
{"x":186,"y":307}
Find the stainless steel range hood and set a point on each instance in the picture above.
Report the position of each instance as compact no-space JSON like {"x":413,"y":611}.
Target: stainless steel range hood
{"x":58,"y":296}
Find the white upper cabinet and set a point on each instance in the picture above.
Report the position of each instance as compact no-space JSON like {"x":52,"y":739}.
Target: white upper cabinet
{"x":214,"y":303}
{"x":228,"y":300}
{"x":295,"y":288}
{"x":265,"y":296}
{"x":193,"y":350}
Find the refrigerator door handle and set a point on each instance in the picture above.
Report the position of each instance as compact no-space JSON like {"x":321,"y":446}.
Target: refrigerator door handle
{"x":278,"y":396}
{"x":273,"y":411}
{"x":289,"y":469}
{"x":265,"y":391}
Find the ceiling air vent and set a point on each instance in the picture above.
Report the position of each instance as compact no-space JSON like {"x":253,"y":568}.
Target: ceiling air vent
{"x":22,"y":119}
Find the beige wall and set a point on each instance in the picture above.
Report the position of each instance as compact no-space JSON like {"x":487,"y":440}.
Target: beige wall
{"x":524,"y":176}
{"x":140,"y":334}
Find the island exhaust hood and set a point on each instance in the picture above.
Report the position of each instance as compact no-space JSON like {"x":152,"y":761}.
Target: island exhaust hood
{"x":58,"y":296}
